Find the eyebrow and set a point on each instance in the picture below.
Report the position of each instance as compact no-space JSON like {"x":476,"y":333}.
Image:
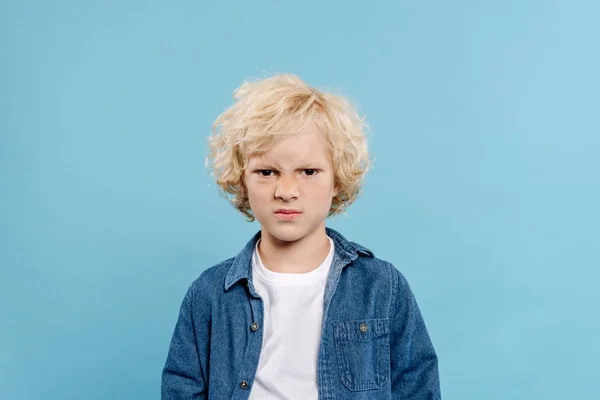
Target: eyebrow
{"x":266,"y":165}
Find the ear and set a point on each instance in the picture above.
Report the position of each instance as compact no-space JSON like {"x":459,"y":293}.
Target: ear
{"x":336,"y":191}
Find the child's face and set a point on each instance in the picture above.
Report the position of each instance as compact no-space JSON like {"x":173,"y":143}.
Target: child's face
{"x":296,"y":174}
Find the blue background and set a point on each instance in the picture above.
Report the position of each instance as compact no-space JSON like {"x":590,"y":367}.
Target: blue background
{"x":485,"y":191}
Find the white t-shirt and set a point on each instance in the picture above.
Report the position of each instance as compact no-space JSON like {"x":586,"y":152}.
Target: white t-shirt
{"x":293,"y":316}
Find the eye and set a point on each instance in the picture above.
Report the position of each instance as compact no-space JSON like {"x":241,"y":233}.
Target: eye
{"x":265,"y":172}
{"x":310,"y":172}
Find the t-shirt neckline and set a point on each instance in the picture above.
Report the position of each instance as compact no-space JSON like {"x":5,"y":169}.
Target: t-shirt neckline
{"x":319,"y":274}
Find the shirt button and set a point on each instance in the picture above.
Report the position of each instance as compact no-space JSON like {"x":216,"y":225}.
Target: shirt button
{"x":363,"y":328}
{"x":254,"y":326}
{"x":244,"y":384}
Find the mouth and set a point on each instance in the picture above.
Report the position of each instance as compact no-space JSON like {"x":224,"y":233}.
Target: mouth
{"x":287,"y":215}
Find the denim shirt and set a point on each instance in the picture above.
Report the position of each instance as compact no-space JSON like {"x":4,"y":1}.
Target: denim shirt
{"x":374,"y":343}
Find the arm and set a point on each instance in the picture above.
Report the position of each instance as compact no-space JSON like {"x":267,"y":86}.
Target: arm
{"x":414,"y":365}
{"x":183,"y":374}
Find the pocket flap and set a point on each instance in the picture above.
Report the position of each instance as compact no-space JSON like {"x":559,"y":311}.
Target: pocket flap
{"x":351,"y":330}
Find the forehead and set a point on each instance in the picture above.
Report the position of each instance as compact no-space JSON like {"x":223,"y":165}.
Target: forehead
{"x":306,"y":146}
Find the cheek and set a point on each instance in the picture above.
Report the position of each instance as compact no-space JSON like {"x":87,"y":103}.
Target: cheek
{"x":258,"y":194}
{"x":323,"y":193}
{"x":329,"y":187}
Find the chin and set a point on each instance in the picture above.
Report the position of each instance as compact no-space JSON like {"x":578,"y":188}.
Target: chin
{"x":287,"y":232}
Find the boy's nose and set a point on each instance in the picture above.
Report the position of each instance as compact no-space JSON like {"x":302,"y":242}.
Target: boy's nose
{"x":286,"y":190}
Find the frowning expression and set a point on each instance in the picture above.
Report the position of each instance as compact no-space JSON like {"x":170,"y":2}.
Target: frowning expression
{"x":290,"y":187}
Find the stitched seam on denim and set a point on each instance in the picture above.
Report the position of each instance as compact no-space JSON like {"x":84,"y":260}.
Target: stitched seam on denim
{"x":410,"y":323}
{"x":344,"y":341}
{"x":247,"y":357}
{"x":190,"y":301}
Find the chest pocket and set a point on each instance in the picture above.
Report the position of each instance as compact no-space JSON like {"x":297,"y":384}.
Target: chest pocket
{"x":363,"y":353}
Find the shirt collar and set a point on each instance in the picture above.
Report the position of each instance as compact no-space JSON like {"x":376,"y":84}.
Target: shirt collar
{"x":241,"y":266}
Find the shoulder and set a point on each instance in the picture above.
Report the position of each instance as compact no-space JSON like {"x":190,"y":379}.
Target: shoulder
{"x":210,"y":280}
{"x":383,"y":274}
{"x":363,"y":256}
{"x":378,"y":266}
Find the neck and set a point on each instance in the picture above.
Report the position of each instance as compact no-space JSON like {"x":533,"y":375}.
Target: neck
{"x":296,"y":257}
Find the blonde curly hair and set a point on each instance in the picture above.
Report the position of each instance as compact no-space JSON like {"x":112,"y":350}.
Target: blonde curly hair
{"x":263,"y":111}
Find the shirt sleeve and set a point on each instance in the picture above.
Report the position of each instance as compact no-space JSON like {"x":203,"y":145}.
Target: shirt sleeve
{"x":183,"y":374}
{"x":414,"y":363}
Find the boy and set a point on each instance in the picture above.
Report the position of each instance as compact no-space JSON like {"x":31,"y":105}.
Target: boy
{"x":300,"y":312}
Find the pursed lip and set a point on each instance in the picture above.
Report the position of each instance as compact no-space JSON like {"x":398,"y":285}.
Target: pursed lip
{"x":287,"y":211}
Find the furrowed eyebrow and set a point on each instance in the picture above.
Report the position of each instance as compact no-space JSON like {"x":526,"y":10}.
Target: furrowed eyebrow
{"x":266,"y":164}
{"x":311,"y":166}
{"x":302,"y":168}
